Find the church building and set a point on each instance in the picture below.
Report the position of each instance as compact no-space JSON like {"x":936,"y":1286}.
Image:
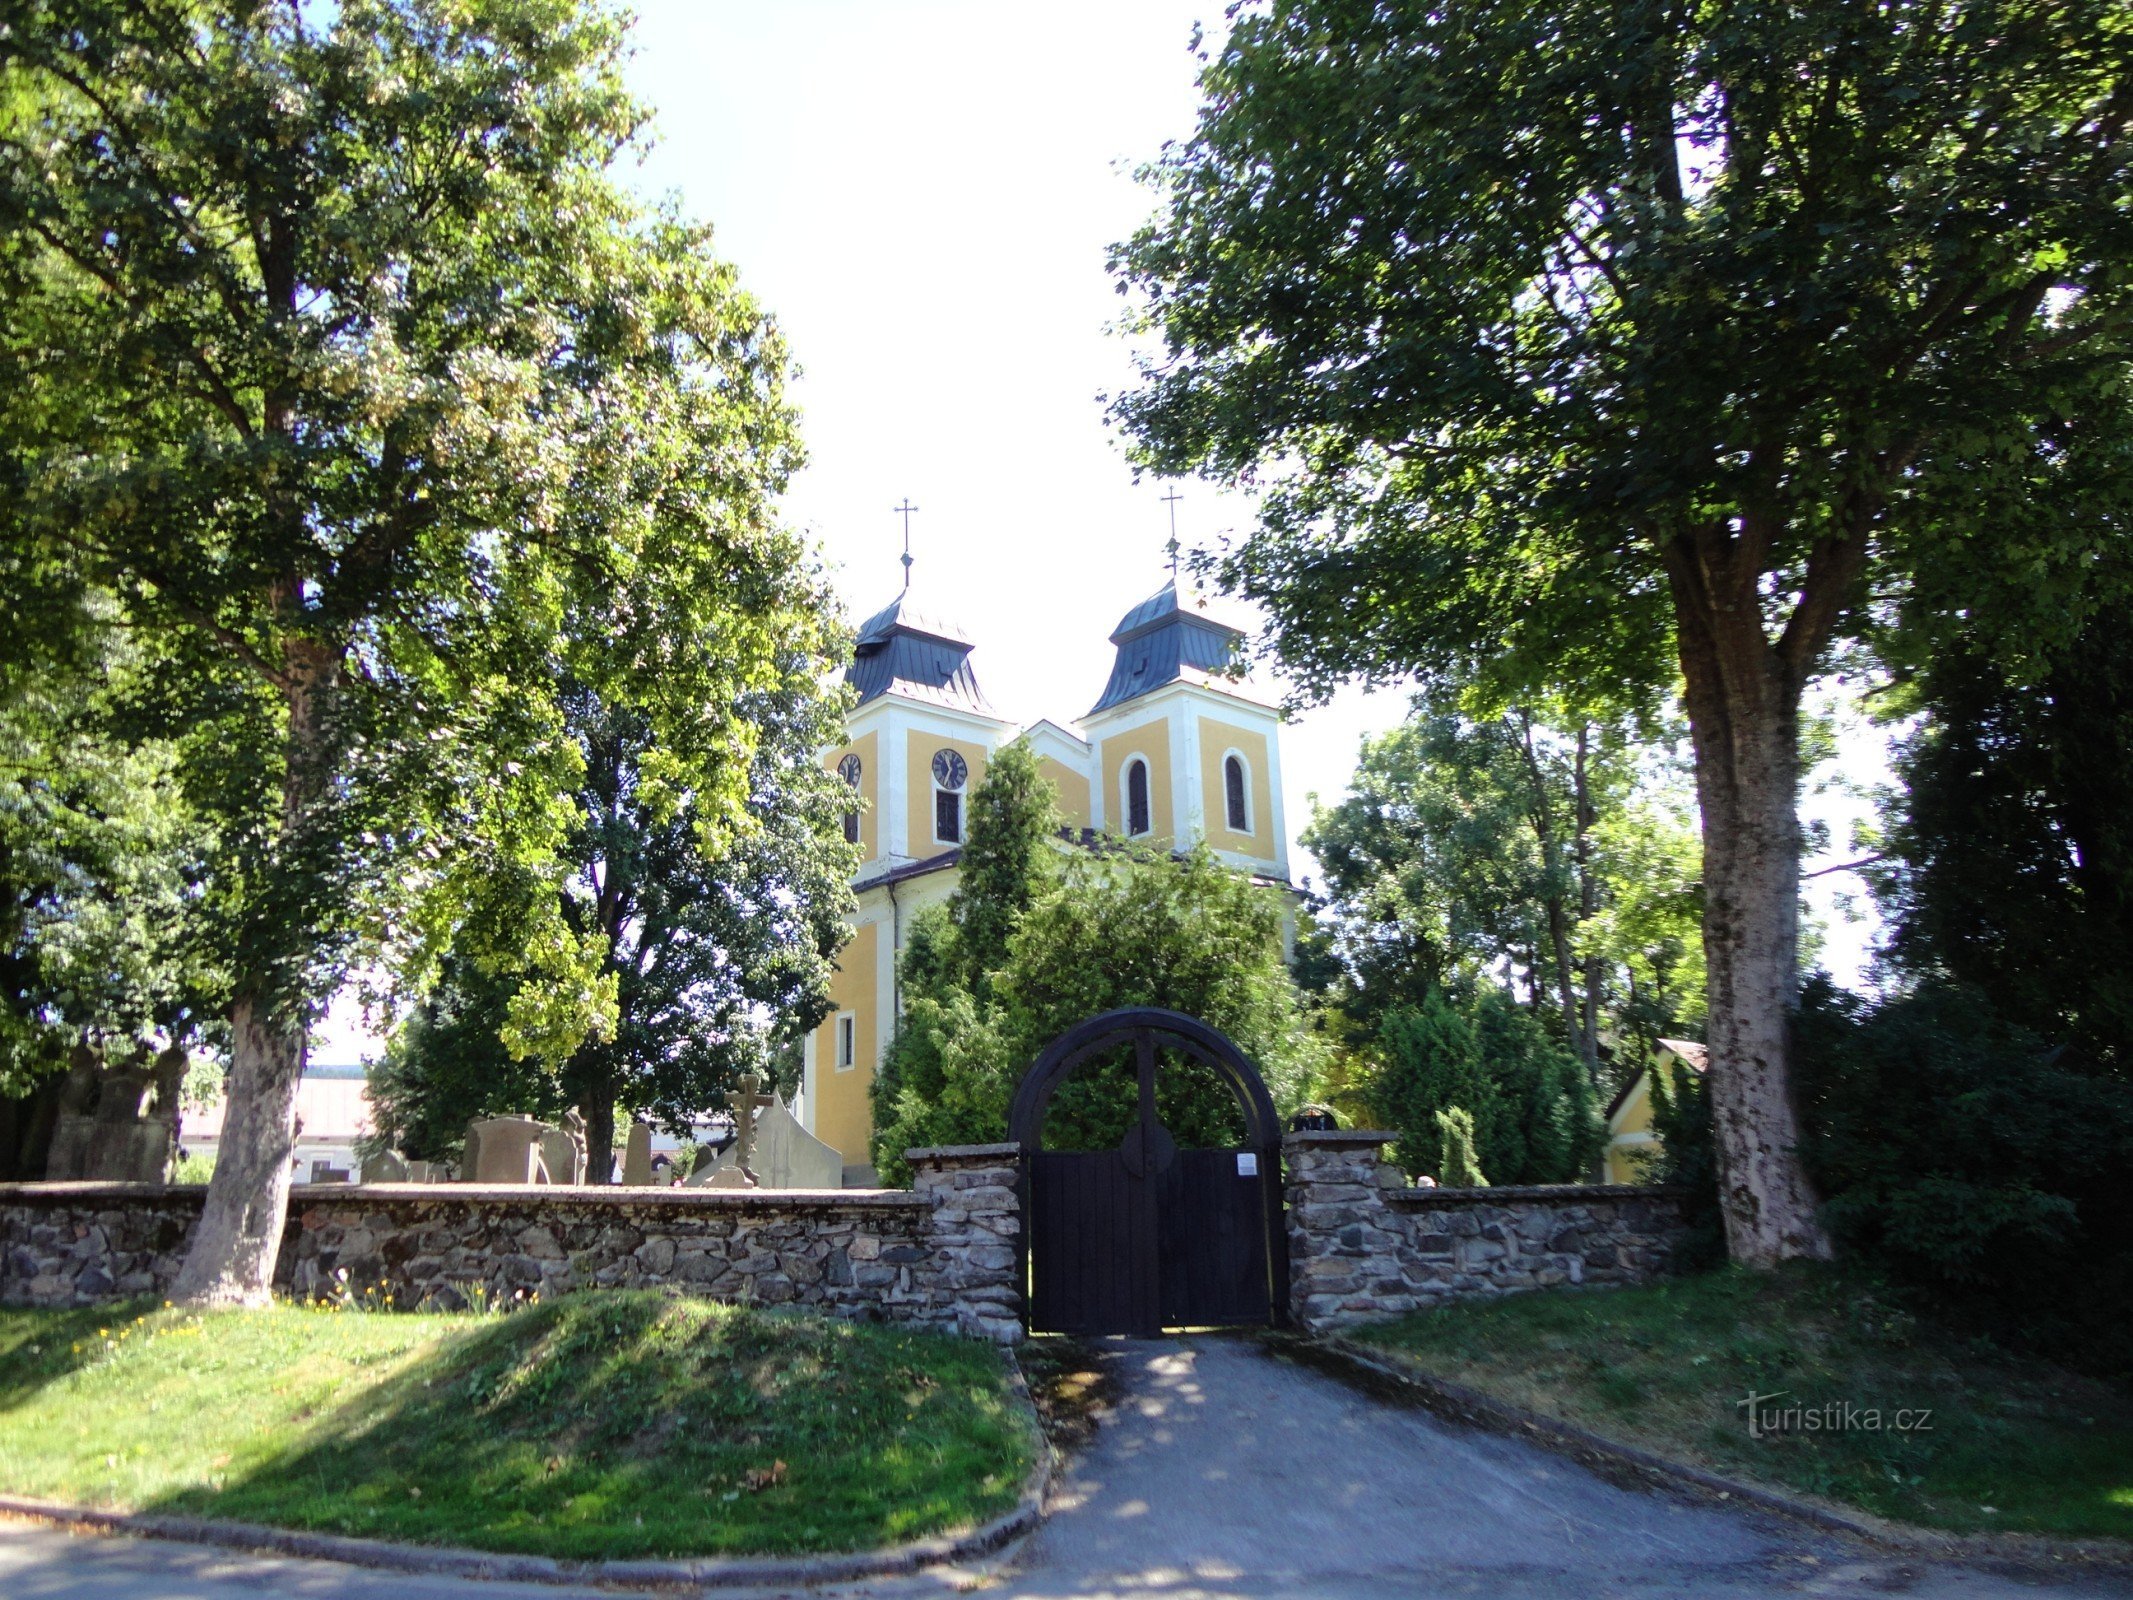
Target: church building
{"x":1174,"y":750}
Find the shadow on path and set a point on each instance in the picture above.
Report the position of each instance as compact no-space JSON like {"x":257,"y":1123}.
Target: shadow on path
{"x":1226,"y":1471}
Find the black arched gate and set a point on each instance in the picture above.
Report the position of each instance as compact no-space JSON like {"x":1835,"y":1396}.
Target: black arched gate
{"x":1146,"y":1236}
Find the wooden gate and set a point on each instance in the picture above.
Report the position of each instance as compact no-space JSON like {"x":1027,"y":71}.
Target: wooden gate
{"x":1147,"y":1236}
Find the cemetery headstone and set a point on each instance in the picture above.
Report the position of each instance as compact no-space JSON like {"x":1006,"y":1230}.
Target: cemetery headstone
{"x":733,"y":1170}
{"x":563,"y":1150}
{"x":119,"y":1140}
{"x":637,"y":1155}
{"x":384,"y":1167}
{"x":505,"y":1150}
{"x":785,"y":1155}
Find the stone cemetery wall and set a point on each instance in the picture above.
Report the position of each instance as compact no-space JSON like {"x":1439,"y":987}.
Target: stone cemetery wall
{"x":941,"y":1256}
{"x":1362,"y":1245}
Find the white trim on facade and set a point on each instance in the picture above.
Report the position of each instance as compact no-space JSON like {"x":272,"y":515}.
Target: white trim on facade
{"x":1188,"y":809}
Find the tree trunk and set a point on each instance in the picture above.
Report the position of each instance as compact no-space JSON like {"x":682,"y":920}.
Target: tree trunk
{"x":1586,"y":814}
{"x":1743,"y":702}
{"x":599,"y":1109}
{"x":231,"y":1261}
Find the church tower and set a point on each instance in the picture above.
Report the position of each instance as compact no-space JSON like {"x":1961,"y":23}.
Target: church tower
{"x":1177,"y":748}
{"x":1181,"y":748}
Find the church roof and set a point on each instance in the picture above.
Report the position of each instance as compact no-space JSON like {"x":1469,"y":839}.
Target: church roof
{"x":1162,"y":640}
{"x":920,"y":655}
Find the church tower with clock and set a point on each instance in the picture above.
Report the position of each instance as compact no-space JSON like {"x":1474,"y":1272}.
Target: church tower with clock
{"x":1174,"y":750}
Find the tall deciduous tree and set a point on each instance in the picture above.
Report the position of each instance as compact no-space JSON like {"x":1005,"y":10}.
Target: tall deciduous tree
{"x":346,"y":366}
{"x":1577,"y":342}
{"x":106,"y":947}
{"x":1553,"y":848}
{"x":718,"y":959}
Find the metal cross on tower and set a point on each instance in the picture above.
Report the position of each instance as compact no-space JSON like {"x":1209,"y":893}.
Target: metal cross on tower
{"x":1171,"y":500}
{"x":905,"y":511}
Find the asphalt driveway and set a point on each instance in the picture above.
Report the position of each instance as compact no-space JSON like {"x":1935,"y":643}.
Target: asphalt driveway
{"x":1225,"y":1473}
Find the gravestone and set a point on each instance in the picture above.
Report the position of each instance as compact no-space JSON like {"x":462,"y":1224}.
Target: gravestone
{"x":637,"y":1155}
{"x":563,"y":1150}
{"x":505,"y":1150}
{"x":428,"y":1172}
{"x":120,"y":1140}
{"x":734,"y":1170}
{"x":324,"y":1171}
{"x":785,"y":1155}
{"x":384,"y":1167}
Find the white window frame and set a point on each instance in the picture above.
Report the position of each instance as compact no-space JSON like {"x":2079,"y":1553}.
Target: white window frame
{"x":1125,"y":796}
{"x":844,"y":1041}
{"x":1244,"y":764}
{"x":854,"y":824}
{"x":962,"y":810}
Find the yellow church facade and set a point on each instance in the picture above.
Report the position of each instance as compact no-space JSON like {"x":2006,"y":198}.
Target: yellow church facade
{"x":1175,"y":750}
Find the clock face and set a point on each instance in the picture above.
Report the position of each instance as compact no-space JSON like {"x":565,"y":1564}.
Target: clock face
{"x":848,"y":770}
{"x":948,"y":770}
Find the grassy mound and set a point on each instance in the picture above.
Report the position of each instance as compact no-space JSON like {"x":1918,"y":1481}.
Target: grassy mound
{"x":595,"y":1425}
{"x":2009,"y":1446}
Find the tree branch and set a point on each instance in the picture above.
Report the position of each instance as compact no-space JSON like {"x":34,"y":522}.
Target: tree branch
{"x":1844,"y":866}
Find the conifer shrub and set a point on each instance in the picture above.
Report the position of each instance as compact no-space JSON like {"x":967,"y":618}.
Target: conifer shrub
{"x":1958,"y":1152}
{"x":1534,"y":1114}
{"x":1456,"y":1161}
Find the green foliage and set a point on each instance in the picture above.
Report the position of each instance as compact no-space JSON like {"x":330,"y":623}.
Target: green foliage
{"x":1493,"y":849}
{"x":1956,"y":1151}
{"x":715,"y":959}
{"x":1428,"y":1059}
{"x":940,"y":1071}
{"x":594,"y":1425}
{"x":1086,"y":932}
{"x":2010,"y":846}
{"x":1495,"y":301}
{"x":1188,"y":934}
{"x":1688,"y":1161}
{"x":192,"y":1168}
{"x":1570,"y":344}
{"x":1007,"y":859}
{"x":101,"y":860}
{"x":1530,"y":1108}
{"x":354,"y":380}
{"x":1961,"y":1151}
{"x":1457,"y":1162}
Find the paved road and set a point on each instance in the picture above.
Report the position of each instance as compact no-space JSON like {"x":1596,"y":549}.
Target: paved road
{"x":1224,"y":1474}
{"x":1230,"y":1473}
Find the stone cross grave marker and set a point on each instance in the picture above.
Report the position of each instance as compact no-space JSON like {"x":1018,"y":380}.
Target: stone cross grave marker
{"x":743,"y":1103}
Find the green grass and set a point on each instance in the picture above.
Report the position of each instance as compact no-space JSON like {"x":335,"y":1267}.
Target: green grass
{"x":2013,"y":1445}
{"x":594,"y":1425}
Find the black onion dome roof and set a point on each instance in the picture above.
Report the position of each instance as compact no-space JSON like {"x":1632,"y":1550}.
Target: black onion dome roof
{"x":1159,"y":641}
{"x":903,"y":650}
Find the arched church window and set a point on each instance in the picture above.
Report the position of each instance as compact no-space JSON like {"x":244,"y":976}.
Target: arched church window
{"x":950,"y":773}
{"x":849,"y":770}
{"x":1234,"y":791}
{"x":1136,"y":796}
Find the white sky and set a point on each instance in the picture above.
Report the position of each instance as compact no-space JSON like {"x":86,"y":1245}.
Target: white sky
{"x":923,"y":193}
